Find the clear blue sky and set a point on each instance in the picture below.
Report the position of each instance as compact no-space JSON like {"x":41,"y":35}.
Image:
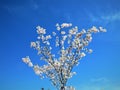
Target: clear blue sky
{"x":18,"y":19}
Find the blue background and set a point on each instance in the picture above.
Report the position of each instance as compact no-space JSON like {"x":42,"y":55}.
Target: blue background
{"x":18,"y":20}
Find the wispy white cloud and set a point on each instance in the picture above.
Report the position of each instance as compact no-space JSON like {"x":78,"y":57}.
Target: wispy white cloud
{"x":95,"y":87}
{"x":101,"y":83}
{"x":14,"y":8}
{"x":102,"y":79}
{"x":111,"y":17}
{"x":102,"y":17}
{"x":34,"y":4}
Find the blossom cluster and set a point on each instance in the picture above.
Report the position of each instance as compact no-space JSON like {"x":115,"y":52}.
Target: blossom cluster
{"x":72,"y":45}
{"x":27,"y":61}
{"x":41,"y":30}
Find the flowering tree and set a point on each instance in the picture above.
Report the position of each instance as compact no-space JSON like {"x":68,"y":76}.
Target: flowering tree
{"x":72,"y":47}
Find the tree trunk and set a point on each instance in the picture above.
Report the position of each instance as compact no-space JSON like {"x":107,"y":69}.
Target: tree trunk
{"x":42,"y":88}
{"x":62,"y":88}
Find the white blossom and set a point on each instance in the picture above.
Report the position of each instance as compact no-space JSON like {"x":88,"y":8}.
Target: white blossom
{"x":62,"y":42}
{"x":50,"y":48}
{"x":63,"y":52}
{"x":74,"y":73}
{"x":83,"y":54}
{"x":48,"y":37}
{"x":64,"y":37}
{"x":62,"y":32}
{"x":65,"y":25}
{"x":37,"y":69}
{"x":73,"y":31}
{"x":41,"y":30}
{"x":83,"y":31}
{"x":94,"y":29}
{"x":58,"y":28}
{"x":38,"y":72}
{"x":48,"y":43}
{"x":90,"y":50}
{"x":88,"y":35}
{"x":102,"y":30}
{"x":33,"y":44}
{"x":57,"y":41}
{"x":27,"y":61}
{"x":43,"y":38}
{"x":38,"y":37}
{"x":57,"y":24}
{"x":54,"y":34}
{"x":57,"y":64}
{"x":71,"y":47}
{"x":30,"y":64}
